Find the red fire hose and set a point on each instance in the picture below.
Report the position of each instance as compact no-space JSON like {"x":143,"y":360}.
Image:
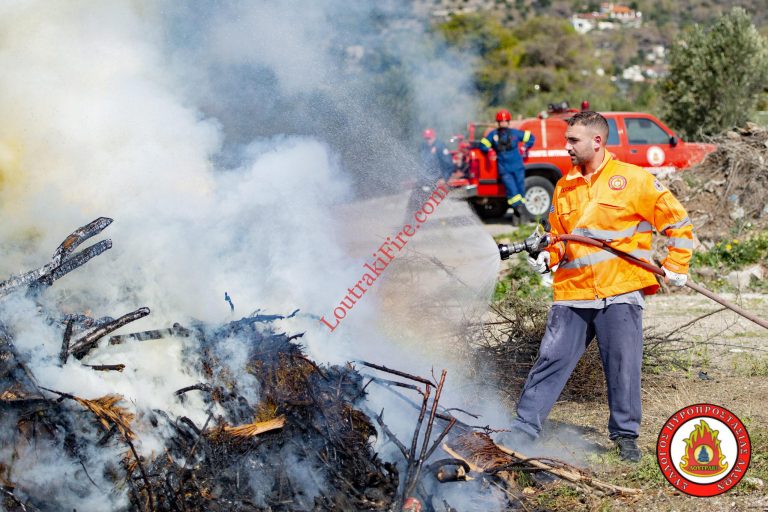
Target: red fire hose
{"x":656,"y":270}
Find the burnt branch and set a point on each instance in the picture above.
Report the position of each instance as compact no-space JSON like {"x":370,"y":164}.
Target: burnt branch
{"x":440,"y":438}
{"x":397,"y":372}
{"x":78,"y":260}
{"x":147,"y":485}
{"x":106,"y":367}
{"x":414,"y":477}
{"x":155,"y":334}
{"x":200,"y":386}
{"x":64,"y":355}
{"x":60,"y":264}
{"x":79,"y":236}
{"x":391,"y":435}
{"x":86,"y":343}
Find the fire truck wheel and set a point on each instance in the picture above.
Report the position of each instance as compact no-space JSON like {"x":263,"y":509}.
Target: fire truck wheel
{"x":538,"y":196}
{"x":490,"y":207}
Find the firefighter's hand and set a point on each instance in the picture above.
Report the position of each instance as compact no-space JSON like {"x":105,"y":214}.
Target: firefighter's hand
{"x":541,"y":263}
{"x":674,"y":278}
{"x":525,"y":154}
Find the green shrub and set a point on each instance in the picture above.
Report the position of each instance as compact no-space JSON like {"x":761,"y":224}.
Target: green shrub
{"x":733,"y":254}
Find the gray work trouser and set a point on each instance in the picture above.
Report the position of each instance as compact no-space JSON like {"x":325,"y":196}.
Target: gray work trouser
{"x":619,"y":331}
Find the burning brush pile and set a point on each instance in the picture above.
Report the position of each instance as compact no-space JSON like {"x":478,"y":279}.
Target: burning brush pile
{"x":300,"y":445}
{"x":724,"y":195}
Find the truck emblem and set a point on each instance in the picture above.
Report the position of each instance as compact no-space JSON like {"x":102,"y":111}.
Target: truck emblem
{"x":617,"y":182}
{"x":655,"y":156}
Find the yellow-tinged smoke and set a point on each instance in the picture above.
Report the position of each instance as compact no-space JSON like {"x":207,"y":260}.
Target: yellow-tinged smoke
{"x":10,"y":168}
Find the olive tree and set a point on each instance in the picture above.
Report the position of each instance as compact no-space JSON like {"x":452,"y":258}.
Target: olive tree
{"x":716,"y":76}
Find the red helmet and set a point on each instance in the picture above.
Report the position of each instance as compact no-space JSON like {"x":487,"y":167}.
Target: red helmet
{"x":503,"y":115}
{"x":429,"y":133}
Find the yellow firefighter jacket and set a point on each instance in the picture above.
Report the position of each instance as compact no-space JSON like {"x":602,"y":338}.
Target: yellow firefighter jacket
{"x":620,"y":205}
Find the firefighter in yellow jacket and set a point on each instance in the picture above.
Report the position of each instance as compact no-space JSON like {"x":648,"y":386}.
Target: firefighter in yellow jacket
{"x":597,"y":293}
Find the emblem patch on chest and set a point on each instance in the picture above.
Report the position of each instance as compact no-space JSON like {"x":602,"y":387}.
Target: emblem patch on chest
{"x":617,"y":182}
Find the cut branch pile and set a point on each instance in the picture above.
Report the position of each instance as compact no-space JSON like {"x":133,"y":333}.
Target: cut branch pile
{"x":725,"y":194}
{"x":505,"y":349}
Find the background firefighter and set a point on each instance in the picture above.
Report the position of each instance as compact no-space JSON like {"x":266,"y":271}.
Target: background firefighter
{"x":505,"y":142}
{"x":597,"y":293}
{"x":436,"y":166}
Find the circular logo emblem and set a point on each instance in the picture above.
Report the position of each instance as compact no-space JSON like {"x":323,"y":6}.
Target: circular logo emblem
{"x":655,"y":156}
{"x":617,"y":182}
{"x":703,"y":450}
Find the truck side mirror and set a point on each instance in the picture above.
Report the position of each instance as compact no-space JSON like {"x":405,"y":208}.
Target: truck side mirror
{"x":673,"y":141}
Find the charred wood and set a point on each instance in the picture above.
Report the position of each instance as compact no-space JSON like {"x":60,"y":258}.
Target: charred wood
{"x":81,"y":346}
{"x":64,"y":354}
{"x":79,"y":236}
{"x":106,"y":367}
{"x":177,"y":330}
{"x":61,"y":263}
{"x":76,"y":261}
{"x":412,"y":479}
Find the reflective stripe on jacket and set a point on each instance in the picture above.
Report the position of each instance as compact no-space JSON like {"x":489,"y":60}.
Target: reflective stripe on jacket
{"x":621,"y":205}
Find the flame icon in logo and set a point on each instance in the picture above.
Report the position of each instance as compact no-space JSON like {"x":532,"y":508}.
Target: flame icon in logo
{"x":702,"y":453}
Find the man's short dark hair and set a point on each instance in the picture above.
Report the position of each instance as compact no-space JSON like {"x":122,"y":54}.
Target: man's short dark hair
{"x":590,"y":119}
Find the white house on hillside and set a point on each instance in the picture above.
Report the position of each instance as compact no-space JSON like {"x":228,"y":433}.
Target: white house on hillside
{"x":607,"y":18}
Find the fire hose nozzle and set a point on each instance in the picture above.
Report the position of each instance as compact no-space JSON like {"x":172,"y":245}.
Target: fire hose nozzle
{"x":533,"y":245}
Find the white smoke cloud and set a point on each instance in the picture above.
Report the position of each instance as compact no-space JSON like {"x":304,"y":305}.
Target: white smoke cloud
{"x":104,"y":112}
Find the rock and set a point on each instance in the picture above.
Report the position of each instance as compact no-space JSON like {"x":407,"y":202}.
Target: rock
{"x":707,"y":272}
{"x":742,"y":278}
{"x":757,"y":482}
{"x":737,"y":212}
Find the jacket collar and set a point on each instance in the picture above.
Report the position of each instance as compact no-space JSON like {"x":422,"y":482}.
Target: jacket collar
{"x":575,"y":172}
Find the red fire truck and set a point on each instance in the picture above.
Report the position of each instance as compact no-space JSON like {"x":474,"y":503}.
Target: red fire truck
{"x":634,"y":137}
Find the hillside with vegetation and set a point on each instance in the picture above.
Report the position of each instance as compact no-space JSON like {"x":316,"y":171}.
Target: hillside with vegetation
{"x":441,"y":63}
{"x":542,"y":59}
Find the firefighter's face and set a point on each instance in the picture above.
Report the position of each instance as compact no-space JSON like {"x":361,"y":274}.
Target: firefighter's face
{"x":503,"y":124}
{"x":582,"y":144}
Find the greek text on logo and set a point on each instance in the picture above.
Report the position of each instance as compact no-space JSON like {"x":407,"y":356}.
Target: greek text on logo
{"x":703,"y":450}
{"x":384,"y":256}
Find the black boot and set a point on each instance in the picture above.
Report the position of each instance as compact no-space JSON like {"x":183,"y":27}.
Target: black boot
{"x":628,"y":449}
